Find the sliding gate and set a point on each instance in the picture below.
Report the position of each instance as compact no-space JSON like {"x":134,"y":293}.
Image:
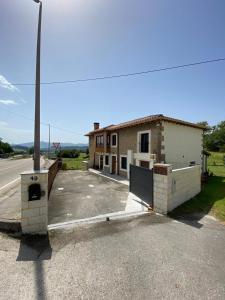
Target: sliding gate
{"x":141,"y":183}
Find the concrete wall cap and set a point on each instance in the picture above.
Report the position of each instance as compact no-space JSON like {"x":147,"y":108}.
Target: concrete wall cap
{"x":34,"y":172}
{"x":162,"y":165}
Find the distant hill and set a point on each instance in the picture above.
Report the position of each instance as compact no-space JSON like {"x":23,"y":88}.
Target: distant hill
{"x":44,"y":146}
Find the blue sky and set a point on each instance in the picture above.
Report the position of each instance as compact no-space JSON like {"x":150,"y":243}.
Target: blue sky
{"x":89,"y":38}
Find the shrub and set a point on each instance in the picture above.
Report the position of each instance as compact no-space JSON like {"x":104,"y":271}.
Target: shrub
{"x":69,"y":153}
{"x":64,"y":166}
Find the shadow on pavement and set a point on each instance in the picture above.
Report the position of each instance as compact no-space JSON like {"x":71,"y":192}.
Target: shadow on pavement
{"x":36,"y":248}
{"x":7,"y":225}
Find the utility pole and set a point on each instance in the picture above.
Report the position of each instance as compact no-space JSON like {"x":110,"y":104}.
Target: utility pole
{"x":37,"y":95}
{"x":49,"y":140}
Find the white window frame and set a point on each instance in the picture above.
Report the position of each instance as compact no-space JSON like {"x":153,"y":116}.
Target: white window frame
{"x":107,"y":154}
{"x":121,"y":169}
{"x":114,"y":146}
{"x":139,"y":133}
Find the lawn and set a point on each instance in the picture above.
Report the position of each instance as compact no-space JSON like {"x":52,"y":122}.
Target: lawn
{"x":211,"y":200}
{"x":74,"y":163}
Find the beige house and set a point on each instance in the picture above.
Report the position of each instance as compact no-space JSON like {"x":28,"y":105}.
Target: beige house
{"x":143,"y":142}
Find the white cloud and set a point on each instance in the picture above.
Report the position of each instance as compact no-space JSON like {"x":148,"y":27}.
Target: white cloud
{"x":15,"y":135}
{"x":3,"y":124}
{"x":4,"y":83}
{"x":8,"y":102}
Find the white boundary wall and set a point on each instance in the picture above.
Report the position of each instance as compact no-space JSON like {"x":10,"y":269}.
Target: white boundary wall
{"x":174,"y":187}
{"x":186,"y":183}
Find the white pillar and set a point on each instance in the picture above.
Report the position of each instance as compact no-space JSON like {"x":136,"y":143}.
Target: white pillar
{"x":130,"y":160}
{"x":34,"y":211}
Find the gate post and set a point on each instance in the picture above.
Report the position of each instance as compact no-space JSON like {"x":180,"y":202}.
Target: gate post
{"x":130,"y":159}
{"x":34,"y":202}
{"x":162,"y":178}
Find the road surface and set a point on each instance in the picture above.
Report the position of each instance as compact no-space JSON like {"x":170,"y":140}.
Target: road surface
{"x":149,"y":257}
{"x":10,"y":196}
{"x":10,"y":170}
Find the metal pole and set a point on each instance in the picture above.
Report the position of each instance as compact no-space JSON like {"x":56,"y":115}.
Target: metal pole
{"x":49,"y":141}
{"x":37,"y":97}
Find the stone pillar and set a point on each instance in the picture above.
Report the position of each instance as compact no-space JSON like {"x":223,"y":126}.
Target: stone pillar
{"x":162,"y":179}
{"x":130,"y":160}
{"x":34,"y":211}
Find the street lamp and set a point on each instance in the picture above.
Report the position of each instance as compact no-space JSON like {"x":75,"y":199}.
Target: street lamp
{"x":37,"y":95}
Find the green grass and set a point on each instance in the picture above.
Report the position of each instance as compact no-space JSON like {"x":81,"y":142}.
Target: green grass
{"x":211,"y":200}
{"x":216,"y":159}
{"x":74,"y":163}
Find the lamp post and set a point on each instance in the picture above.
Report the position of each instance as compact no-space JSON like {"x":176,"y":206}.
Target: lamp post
{"x":37,"y":95}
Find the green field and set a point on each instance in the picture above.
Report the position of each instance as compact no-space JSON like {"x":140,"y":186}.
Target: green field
{"x":211,"y":200}
{"x":74,"y":163}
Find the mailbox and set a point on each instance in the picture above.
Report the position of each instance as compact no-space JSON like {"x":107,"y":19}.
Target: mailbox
{"x":34,"y":192}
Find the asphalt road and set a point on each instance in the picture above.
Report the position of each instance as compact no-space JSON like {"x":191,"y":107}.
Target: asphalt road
{"x":10,"y":197}
{"x":149,"y":257}
{"x":10,"y":170}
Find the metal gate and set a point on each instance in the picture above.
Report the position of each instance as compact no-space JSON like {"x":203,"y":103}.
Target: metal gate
{"x":141,"y":183}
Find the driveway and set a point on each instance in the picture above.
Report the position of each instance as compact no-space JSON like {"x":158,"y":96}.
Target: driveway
{"x":81,"y":194}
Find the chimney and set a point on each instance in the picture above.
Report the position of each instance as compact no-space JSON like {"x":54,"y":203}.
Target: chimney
{"x":96,"y":126}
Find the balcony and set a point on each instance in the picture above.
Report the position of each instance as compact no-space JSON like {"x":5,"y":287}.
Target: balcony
{"x":102,"y":149}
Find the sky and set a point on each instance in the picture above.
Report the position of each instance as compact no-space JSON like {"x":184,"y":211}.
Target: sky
{"x":94,"y":38}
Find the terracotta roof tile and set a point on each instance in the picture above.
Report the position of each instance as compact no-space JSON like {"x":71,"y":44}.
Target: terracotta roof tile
{"x":144,"y":120}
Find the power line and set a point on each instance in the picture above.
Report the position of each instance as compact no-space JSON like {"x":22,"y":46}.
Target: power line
{"x":42,"y":123}
{"x":126,"y":74}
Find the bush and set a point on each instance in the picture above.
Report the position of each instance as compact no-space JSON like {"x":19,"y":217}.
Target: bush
{"x":64,"y":166}
{"x":69,"y":153}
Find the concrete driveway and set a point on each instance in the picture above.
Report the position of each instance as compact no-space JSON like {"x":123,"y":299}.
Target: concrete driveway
{"x":80,"y":194}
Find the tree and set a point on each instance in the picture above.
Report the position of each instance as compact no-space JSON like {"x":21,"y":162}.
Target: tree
{"x":5,"y":148}
{"x":206,"y":132}
{"x":214,"y":137}
{"x":31,"y":150}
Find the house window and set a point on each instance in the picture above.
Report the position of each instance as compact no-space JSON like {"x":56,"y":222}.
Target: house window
{"x":114,"y":140}
{"x":123,"y":163}
{"x":108,"y":140}
{"x":144,"y":142}
{"x":99,"y":141}
{"x":106,"y":160}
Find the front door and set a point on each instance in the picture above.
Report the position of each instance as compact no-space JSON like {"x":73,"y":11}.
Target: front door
{"x":113,"y":164}
{"x":101,"y":162}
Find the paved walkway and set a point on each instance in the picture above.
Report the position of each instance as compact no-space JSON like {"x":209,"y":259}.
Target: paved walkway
{"x":114,"y":177}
